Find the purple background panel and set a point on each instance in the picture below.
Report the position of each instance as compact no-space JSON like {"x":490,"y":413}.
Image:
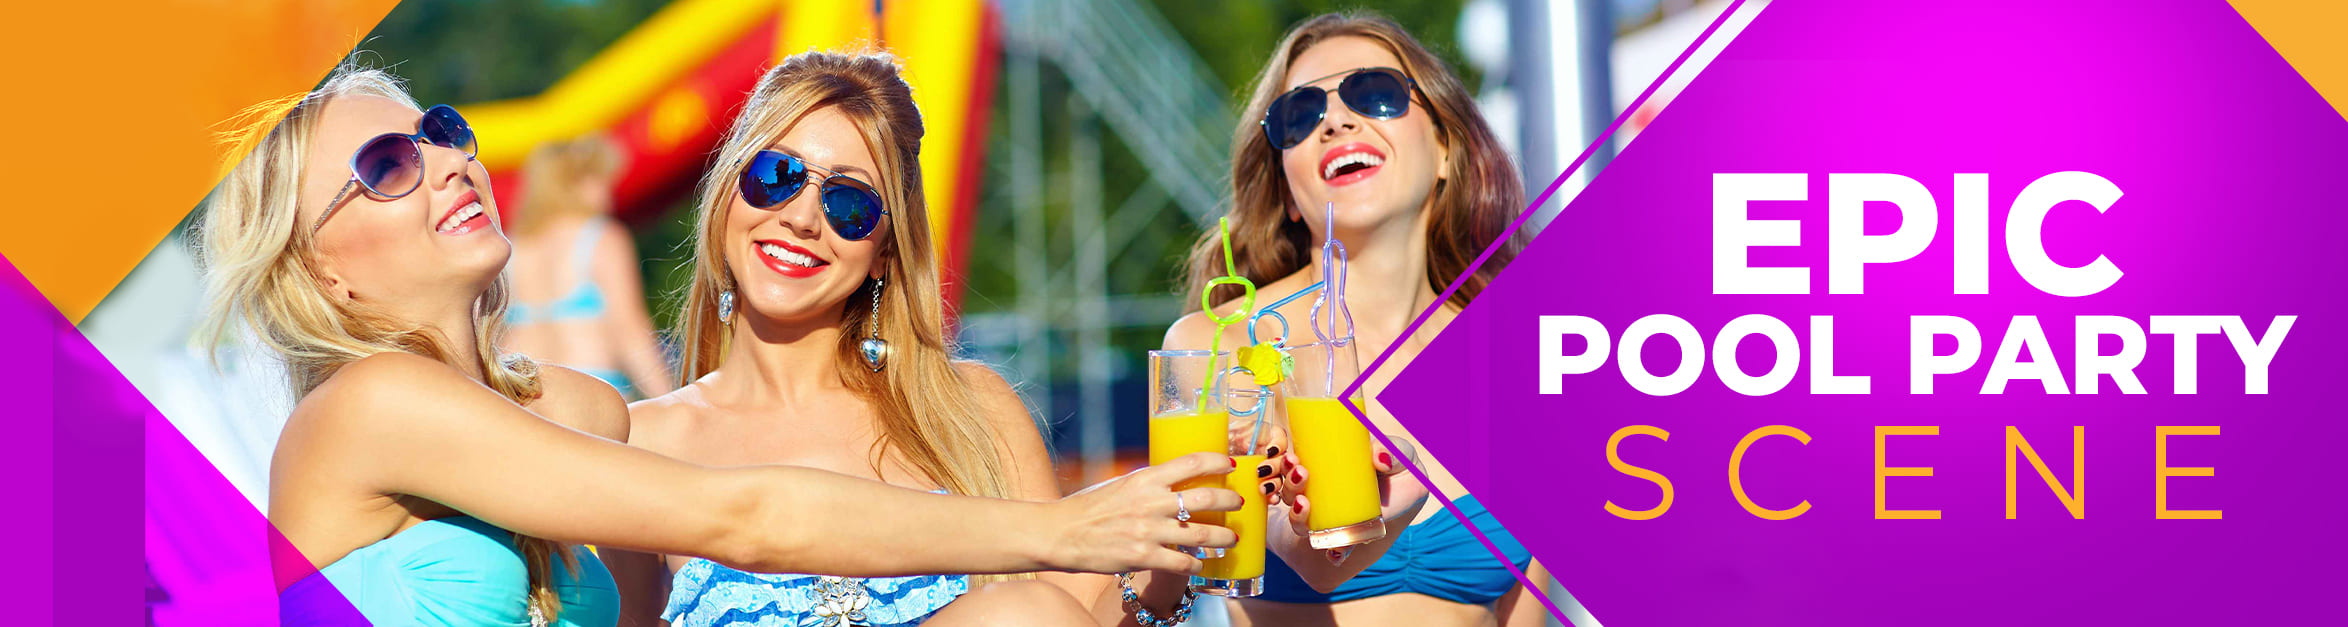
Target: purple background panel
{"x":2227,"y":160}
{"x":139,"y":528}
{"x":29,"y":360}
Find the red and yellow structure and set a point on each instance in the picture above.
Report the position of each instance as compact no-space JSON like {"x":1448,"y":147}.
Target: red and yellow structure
{"x":666,"y":90}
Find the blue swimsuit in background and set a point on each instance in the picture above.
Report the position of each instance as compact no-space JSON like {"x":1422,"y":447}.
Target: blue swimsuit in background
{"x":583,"y":303}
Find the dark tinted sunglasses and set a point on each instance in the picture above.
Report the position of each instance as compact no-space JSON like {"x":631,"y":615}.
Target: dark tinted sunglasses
{"x":1381,"y":93}
{"x":850,"y":205}
{"x":391,"y":165}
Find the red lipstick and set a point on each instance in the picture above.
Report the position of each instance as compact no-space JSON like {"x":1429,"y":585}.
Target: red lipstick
{"x":1350,"y":163}
{"x":788,"y":260}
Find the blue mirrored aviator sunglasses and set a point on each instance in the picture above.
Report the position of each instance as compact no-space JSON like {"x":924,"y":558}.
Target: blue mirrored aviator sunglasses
{"x":849,"y":205}
{"x":391,"y":165}
{"x":1381,"y":93}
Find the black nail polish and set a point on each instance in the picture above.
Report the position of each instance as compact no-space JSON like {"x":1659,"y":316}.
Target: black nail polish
{"x":1272,"y":451}
{"x":1263,"y":471}
{"x":1268,"y":488}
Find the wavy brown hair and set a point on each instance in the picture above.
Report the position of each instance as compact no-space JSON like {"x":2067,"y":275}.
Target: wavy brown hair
{"x":261,"y":276}
{"x":926,"y":410}
{"x":1473,"y":202}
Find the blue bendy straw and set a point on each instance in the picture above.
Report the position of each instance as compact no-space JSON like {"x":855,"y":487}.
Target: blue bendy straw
{"x":1333,"y":296}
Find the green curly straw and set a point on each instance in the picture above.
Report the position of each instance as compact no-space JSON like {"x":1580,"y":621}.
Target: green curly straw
{"x":1247,"y":302}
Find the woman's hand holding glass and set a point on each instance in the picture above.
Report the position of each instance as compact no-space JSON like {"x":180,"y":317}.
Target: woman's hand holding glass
{"x":1284,"y":477}
{"x":1130,"y":523}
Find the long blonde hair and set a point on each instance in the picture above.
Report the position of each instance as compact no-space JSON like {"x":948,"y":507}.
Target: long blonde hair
{"x":927,"y":411}
{"x":261,"y":275}
{"x":551,"y":179}
{"x":1473,"y":203}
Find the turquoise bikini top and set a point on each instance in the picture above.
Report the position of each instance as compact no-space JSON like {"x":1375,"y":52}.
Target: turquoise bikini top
{"x":585,"y":300}
{"x":459,"y":571}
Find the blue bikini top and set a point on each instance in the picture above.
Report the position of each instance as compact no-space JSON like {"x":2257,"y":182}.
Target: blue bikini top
{"x":1438,"y":558}
{"x":454,"y":572}
{"x":584,"y":302}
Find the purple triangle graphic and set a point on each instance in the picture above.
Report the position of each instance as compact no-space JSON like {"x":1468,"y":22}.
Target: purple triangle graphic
{"x":117,"y":470}
{"x":2228,"y":160}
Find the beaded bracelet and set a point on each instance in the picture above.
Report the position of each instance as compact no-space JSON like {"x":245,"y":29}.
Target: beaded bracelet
{"x":1142,"y":615}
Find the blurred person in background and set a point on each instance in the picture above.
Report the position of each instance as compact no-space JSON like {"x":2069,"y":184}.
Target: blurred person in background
{"x":1353,"y":110}
{"x":578,"y":297}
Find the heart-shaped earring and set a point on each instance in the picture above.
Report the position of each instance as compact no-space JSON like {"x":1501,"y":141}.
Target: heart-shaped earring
{"x":874,"y":349}
{"x":876,"y":353}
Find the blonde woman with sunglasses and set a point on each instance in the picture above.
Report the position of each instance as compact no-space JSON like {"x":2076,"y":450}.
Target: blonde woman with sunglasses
{"x":814,"y":334}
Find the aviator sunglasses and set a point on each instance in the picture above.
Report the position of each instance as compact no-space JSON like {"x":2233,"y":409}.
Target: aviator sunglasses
{"x":1380,"y":93}
{"x":851,"y":207}
{"x":391,"y":165}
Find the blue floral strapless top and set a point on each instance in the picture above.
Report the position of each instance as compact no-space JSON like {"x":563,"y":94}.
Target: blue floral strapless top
{"x":706,"y":594}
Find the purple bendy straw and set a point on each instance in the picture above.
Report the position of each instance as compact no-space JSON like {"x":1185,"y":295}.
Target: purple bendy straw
{"x":1332,"y":291}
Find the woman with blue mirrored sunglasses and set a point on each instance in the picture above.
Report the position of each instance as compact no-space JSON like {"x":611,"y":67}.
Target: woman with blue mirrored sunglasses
{"x":825,"y":345}
{"x":850,"y":206}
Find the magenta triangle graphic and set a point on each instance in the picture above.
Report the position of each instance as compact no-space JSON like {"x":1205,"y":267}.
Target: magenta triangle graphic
{"x":204,"y":556}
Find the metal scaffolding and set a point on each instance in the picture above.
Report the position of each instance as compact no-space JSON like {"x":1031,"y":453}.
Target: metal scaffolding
{"x":1126,"y":73}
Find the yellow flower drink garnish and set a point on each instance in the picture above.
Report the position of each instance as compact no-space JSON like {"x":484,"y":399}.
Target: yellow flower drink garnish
{"x":1269,"y":362}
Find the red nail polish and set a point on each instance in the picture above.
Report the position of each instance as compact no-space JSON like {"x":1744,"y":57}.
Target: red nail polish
{"x":1295,"y":477}
{"x":1386,"y":459}
{"x":1234,"y":463}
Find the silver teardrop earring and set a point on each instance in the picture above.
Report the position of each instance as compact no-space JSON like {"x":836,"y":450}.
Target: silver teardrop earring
{"x":875,"y":349}
{"x":725,"y":307}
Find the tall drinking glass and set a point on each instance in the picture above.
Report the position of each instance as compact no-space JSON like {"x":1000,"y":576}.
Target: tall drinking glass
{"x":1186,"y":418}
{"x":1240,"y":572}
{"x":1333,"y":445}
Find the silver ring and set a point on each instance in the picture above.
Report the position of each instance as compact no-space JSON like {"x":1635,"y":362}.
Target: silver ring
{"x":1181,"y":512}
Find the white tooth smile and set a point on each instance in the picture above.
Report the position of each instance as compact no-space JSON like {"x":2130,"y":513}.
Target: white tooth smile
{"x":468,"y":212}
{"x":786,"y":256}
{"x":1365,"y":159}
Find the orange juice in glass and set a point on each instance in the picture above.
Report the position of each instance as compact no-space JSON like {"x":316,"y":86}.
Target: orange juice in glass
{"x":1240,"y":571}
{"x":1187,"y":418}
{"x":1333,"y":446}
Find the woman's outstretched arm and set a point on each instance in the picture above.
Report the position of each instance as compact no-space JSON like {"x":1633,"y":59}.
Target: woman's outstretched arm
{"x":398,"y":424}
{"x":1030,"y":462}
